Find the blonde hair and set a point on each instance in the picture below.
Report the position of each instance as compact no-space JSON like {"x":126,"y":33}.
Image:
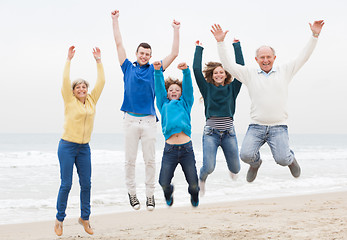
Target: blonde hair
{"x":79,"y":81}
{"x":208,"y":72}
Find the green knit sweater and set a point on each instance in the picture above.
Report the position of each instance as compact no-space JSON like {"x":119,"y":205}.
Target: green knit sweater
{"x":219,"y":101}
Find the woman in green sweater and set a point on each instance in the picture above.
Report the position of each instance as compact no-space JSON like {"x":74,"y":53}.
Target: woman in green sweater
{"x":219,"y":92}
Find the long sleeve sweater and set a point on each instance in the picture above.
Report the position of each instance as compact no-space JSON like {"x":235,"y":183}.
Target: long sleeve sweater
{"x":175,"y":114}
{"x":220,"y":100}
{"x":269,"y":94}
{"x":79,"y":117}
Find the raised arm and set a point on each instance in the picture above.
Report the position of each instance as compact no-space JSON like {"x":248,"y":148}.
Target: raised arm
{"x":100,"y":81}
{"x":159,"y":85}
{"x":187,"y":85}
{"x":175,"y":45}
{"x":295,"y":65}
{"x":236,"y":71}
{"x":197,"y":68}
{"x":238,"y":52}
{"x":239,"y":60}
{"x":118,"y":37}
{"x":66,"y":90}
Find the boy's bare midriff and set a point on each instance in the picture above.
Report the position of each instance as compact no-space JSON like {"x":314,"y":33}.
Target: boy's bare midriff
{"x":178,"y":138}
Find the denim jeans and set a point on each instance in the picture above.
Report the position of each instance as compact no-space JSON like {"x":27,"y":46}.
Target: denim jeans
{"x":172,"y":156}
{"x":277,"y":139}
{"x":211,"y":140}
{"x":70,"y":153}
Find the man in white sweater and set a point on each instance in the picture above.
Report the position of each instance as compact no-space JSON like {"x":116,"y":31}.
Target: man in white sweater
{"x":268,"y":90}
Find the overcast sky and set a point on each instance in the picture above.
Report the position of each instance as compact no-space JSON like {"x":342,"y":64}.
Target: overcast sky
{"x":35,"y":36}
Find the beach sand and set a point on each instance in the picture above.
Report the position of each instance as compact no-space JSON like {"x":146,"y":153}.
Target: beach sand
{"x":316,"y":216}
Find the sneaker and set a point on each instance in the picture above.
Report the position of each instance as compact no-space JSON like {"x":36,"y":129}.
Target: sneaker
{"x":150,"y":203}
{"x":233,"y":176}
{"x":58,"y":227}
{"x":169,"y":200}
{"x":134,"y":202}
{"x":295,"y":169}
{"x":252,"y":172}
{"x":202,"y":188}
{"x":194,"y":200}
{"x":86,"y":225}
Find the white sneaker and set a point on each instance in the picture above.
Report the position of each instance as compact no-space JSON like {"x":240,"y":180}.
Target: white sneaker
{"x":202,"y":188}
{"x":234,"y":176}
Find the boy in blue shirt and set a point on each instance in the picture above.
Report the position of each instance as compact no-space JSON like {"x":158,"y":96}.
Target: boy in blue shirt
{"x":174,"y":101}
{"x":139,"y":112}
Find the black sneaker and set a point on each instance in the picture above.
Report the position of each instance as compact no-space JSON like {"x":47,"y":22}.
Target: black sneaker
{"x":252,"y":172}
{"x":134,"y":202}
{"x":150,"y":203}
{"x":295,"y":169}
{"x":194,"y":199}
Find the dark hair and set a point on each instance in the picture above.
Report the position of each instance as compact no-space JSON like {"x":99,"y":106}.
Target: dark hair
{"x":144,"y":45}
{"x":208,"y":72}
{"x":169,"y":81}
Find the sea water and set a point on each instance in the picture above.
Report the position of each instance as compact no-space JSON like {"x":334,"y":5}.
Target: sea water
{"x":30,"y":178}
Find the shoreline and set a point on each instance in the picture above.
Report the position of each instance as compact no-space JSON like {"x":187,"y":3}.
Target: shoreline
{"x":310,"y":216}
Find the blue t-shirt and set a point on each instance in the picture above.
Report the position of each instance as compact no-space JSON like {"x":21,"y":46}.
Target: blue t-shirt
{"x":175,"y":114}
{"x":138,"y":88}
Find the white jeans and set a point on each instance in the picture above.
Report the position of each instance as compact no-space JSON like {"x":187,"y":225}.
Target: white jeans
{"x":137,"y":128}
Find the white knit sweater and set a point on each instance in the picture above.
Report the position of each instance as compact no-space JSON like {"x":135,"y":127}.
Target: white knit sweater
{"x":268,"y":94}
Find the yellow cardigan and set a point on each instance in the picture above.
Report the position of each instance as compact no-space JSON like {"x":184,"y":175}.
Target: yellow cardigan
{"x":79,"y":117}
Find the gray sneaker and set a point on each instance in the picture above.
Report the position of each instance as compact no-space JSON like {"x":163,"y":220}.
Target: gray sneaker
{"x":252,"y":172}
{"x":295,"y":169}
{"x":134,"y":202}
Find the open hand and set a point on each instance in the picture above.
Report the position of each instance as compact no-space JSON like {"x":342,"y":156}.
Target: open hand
{"x":71,"y":53}
{"x":97,"y":54}
{"x":218,"y":33}
{"x":317,"y":26}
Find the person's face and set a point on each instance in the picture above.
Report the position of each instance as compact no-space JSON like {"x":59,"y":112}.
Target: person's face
{"x":174,"y":92}
{"x":265,"y":58}
{"x":80,"y":91}
{"x":219,"y":76}
{"x":143,"y":55}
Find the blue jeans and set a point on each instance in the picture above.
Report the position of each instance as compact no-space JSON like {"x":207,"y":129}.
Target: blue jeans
{"x":277,"y":139}
{"x":70,"y":153}
{"x":211,"y":140}
{"x":172,"y":156}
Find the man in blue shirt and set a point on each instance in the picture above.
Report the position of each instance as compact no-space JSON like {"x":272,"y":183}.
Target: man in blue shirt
{"x":138,"y":106}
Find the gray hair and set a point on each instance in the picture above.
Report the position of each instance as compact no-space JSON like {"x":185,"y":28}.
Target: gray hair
{"x":272,"y":49}
{"x":79,"y":81}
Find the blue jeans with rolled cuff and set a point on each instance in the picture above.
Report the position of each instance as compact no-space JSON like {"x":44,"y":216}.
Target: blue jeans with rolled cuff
{"x":172,"y":156}
{"x":71,"y":154}
{"x":211,"y":140}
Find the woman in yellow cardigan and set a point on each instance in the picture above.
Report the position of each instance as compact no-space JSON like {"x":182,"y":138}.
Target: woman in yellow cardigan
{"x":74,"y":145}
